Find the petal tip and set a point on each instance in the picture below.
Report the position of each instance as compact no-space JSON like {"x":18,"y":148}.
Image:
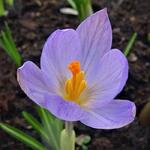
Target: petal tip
{"x":103,"y":11}
{"x":20,"y":69}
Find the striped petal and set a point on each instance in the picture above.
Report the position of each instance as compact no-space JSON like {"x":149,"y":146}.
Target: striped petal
{"x":116,"y":114}
{"x":59,"y":50}
{"x":31,"y":80}
{"x":96,"y":38}
{"x":108,"y":78}
{"x":63,"y":109}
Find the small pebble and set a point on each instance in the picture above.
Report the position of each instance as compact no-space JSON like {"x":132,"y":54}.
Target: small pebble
{"x":133,"y":57}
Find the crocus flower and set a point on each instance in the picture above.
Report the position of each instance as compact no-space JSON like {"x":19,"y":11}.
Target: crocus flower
{"x":80,"y":75}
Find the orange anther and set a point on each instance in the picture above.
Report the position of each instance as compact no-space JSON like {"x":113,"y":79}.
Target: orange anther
{"x":74,"y":67}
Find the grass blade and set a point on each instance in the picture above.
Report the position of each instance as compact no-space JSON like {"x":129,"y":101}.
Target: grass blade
{"x":8,"y":34}
{"x":130,"y":44}
{"x":2,"y":9}
{"x":13,"y":45}
{"x":84,"y":8}
{"x":36,"y":125}
{"x":23,"y":137}
{"x":49,"y":126}
{"x":72,"y":4}
{"x":8,"y":44}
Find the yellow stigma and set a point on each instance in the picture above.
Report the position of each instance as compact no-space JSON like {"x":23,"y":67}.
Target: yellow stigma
{"x":76,"y":84}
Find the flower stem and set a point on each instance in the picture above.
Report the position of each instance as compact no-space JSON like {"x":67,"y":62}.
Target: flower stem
{"x":68,"y":137}
{"x":68,"y":127}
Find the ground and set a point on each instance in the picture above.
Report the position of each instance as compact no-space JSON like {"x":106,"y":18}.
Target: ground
{"x":31,"y":24}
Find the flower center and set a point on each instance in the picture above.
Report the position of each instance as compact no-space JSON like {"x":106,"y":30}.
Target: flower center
{"x":76,"y":84}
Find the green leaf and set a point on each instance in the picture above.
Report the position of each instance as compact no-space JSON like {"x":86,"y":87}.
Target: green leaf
{"x":50,"y":127}
{"x":83,"y":139}
{"x":54,"y":125}
{"x":8,"y":44}
{"x":10,"y":2}
{"x":2,"y":9}
{"x":87,"y":139}
{"x":8,"y":34}
{"x":72,"y":4}
{"x":2,"y":45}
{"x":13,"y":45}
{"x":23,"y":137}
{"x":130,"y":44}
{"x":36,"y":125}
{"x":84,"y":147}
{"x":83,"y":7}
{"x":58,"y":125}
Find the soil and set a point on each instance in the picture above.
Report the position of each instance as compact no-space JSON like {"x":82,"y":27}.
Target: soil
{"x":32,"y":22}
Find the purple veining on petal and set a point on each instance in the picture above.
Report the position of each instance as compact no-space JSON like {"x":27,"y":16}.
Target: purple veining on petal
{"x":32,"y":83}
{"x":116,"y":114}
{"x":107,"y":80}
{"x":63,"y":109}
{"x":59,"y":50}
{"x":96,"y":39}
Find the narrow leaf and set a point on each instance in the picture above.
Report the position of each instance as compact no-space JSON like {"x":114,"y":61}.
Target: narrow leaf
{"x":84,"y":8}
{"x":2,"y":9}
{"x":49,"y":126}
{"x":130,"y":44}
{"x":23,"y":137}
{"x":8,"y":44}
{"x":2,"y":44}
{"x":12,"y":43}
{"x":36,"y":125}
{"x":72,"y":4}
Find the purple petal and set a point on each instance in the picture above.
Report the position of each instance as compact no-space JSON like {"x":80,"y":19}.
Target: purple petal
{"x":96,"y":38}
{"x":31,"y":80}
{"x":63,"y":109}
{"x":59,"y":50}
{"x":108,"y":78}
{"x":115,"y":115}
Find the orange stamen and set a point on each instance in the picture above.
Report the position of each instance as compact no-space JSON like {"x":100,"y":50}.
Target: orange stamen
{"x":75,"y":85}
{"x":74,"y":67}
